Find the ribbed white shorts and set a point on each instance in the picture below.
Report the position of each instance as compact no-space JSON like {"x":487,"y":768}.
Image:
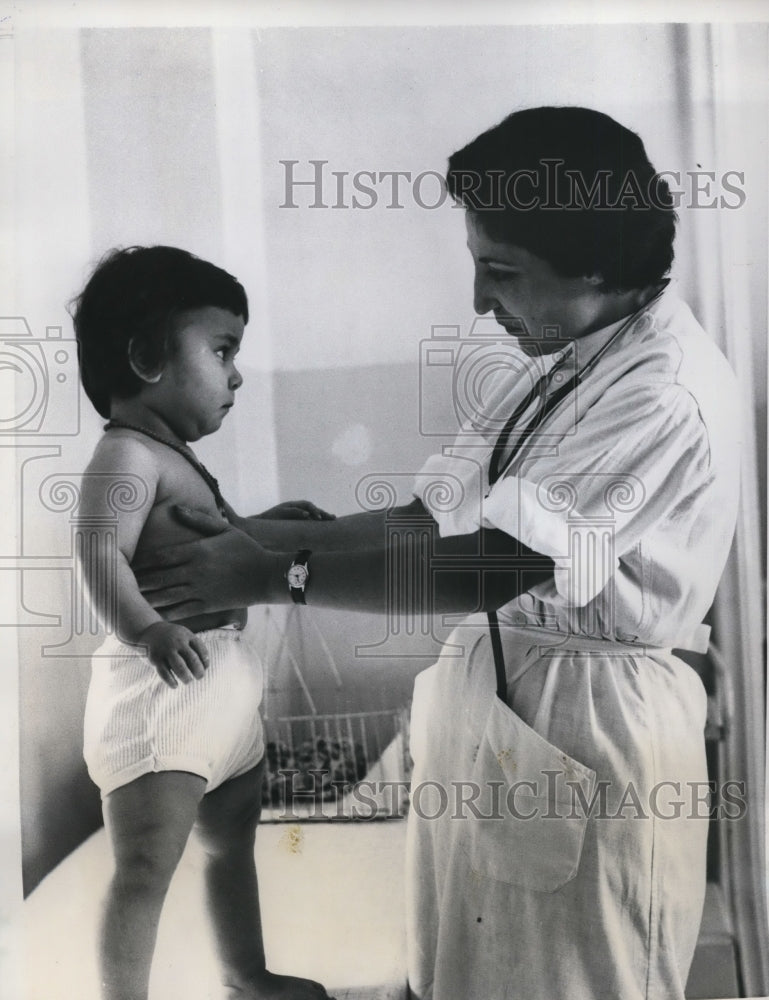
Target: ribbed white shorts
{"x":135,"y":724}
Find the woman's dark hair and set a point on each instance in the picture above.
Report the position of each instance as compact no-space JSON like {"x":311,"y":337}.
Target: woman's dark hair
{"x":134,"y":297}
{"x":573,"y":187}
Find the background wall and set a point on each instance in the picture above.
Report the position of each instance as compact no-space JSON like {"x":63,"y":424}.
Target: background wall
{"x":177,"y":136}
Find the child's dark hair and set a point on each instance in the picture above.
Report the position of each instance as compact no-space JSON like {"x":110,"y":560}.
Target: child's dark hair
{"x":573,"y":187}
{"x":133,"y":298}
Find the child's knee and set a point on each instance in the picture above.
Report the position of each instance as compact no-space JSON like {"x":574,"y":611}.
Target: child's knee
{"x":227,"y":817}
{"x":146,"y":867}
{"x":219,"y":837}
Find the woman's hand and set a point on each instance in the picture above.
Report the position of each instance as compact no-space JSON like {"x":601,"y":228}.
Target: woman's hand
{"x":223,"y":569}
{"x":293,"y":510}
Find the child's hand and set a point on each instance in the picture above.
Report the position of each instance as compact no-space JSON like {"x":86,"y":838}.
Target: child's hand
{"x":296,"y":510}
{"x":176,"y":653}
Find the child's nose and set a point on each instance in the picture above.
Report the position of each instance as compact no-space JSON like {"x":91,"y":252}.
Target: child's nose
{"x":236,"y":379}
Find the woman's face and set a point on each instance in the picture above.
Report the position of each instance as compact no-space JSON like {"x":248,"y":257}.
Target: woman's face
{"x":528,"y":298}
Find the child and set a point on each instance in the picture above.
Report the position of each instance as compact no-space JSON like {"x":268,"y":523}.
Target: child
{"x":174,"y":737}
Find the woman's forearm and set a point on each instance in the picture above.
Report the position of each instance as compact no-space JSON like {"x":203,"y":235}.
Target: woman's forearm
{"x":389,"y":562}
{"x":419,"y":573}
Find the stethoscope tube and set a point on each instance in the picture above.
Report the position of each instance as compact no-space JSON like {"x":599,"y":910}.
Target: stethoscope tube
{"x":546,"y":405}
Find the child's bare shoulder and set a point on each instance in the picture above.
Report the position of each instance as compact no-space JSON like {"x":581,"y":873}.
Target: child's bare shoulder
{"x":123,"y":475}
{"x":123,"y":451}
{"x":167,"y":476}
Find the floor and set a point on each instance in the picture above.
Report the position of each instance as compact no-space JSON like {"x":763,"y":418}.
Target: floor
{"x":714,"y":969}
{"x":332,"y":904}
{"x":316,"y":924}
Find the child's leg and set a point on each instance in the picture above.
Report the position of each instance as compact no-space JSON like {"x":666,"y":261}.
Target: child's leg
{"x":148,"y":822}
{"x":227,"y":820}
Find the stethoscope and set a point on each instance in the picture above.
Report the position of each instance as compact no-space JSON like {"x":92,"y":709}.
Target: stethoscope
{"x":546,"y":405}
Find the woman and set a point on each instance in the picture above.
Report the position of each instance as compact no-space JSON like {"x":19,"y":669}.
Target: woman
{"x":557,"y":840}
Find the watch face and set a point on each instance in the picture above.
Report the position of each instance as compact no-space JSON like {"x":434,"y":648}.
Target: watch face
{"x":297,"y":576}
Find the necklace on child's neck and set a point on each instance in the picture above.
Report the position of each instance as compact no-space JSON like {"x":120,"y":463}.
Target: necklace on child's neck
{"x":182,"y":450}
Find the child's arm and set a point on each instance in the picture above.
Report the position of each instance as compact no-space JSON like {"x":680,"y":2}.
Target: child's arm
{"x":324,"y":533}
{"x":175,"y":652}
{"x":350,"y":532}
{"x":290,"y":510}
{"x":293,"y":510}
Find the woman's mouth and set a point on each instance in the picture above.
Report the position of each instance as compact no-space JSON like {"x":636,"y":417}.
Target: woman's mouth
{"x":511,"y":324}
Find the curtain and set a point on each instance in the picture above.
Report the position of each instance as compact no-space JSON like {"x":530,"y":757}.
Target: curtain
{"x":723,"y":120}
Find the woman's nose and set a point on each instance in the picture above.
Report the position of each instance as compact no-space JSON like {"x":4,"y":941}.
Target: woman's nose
{"x":236,"y":379}
{"x":483,"y":300}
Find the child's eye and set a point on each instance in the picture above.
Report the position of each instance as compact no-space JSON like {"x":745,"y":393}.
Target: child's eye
{"x":227,"y":352}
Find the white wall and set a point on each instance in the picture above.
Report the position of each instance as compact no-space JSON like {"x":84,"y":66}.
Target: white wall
{"x":52,"y":250}
{"x":356,"y":287}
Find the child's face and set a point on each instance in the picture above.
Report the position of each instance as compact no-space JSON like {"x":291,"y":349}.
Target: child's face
{"x":199,"y":379}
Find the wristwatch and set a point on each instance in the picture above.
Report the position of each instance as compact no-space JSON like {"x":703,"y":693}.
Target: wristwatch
{"x":298,"y":574}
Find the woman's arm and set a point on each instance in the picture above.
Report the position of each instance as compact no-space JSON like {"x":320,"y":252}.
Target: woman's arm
{"x":418,"y":572}
{"x":384,"y":562}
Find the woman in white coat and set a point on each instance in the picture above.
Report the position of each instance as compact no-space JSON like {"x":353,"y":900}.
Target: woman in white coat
{"x":559,"y":815}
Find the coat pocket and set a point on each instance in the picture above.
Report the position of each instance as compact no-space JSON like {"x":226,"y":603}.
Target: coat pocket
{"x":531,"y":829}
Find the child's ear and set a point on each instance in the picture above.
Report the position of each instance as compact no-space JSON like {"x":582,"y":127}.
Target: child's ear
{"x":140,"y":365}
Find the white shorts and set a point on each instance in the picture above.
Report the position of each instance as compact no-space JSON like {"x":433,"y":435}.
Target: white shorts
{"x":136,"y":724}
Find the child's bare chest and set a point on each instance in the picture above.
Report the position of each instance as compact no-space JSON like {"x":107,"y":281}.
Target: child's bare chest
{"x":179,"y":483}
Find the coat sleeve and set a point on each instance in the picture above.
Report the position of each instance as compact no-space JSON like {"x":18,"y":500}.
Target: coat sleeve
{"x":637,"y":456}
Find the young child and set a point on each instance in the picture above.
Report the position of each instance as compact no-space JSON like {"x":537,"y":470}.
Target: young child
{"x":173,"y":735}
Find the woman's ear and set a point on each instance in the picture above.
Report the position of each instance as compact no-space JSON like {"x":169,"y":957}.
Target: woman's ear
{"x":140,"y":365}
{"x":596,"y":280}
